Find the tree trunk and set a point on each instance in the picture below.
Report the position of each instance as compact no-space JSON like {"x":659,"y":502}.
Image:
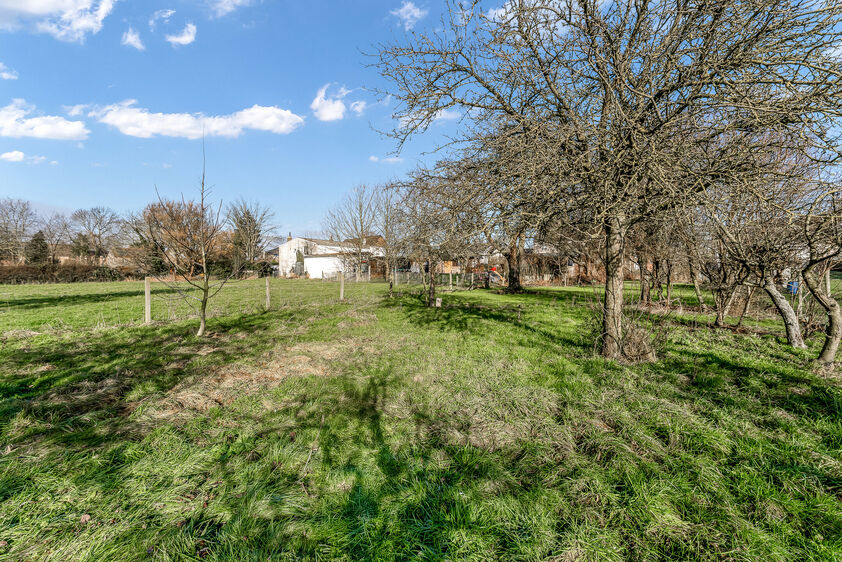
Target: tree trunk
{"x":657,"y":279}
{"x":723,"y":304}
{"x":749,"y":295}
{"x":793,"y":328}
{"x":833,"y":332}
{"x":694,"y":274}
{"x":669,"y":283}
{"x":203,"y":309}
{"x":431,"y":294}
{"x":645,"y":282}
{"x":612,"y":310}
{"x":513,"y":258}
{"x":359,"y":267}
{"x":799,"y":311}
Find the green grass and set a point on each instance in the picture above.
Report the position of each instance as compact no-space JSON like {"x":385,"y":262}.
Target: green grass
{"x":380,"y":429}
{"x":89,"y":305}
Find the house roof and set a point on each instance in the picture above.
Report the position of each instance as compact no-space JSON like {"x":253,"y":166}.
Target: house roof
{"x":323,"y":242}
{"x":367,"y":240}
{"x":319,"y":241}
{"x":370,"y":240}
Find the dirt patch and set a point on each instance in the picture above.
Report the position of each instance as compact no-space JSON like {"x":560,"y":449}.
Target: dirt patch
{"x":224,"y":384}
{"x":357,"y":318}
{"x":20,"y":334}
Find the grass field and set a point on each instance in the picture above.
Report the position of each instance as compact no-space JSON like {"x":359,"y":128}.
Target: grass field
{"x":380,"y":429}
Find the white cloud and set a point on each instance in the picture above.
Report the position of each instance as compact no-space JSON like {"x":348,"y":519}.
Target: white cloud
{"x":138,"y":122}
{"x":75,"y":110}
{"x":358,"y":107}
{"x":389,"y":160}
{"x":7,"y":73}
{"x":160,"y":15}
{"x":223,"y":7}
{"x":18,"y":156}
{"x":329,"y":107}
{"x":409,"y":14}
{"x":498,"y":14}
{"x":447,"y":115}
{"x":68,"y":20}
{"x":187,"y":36}
{"x":13,"y":156}
{"x":131,"y":38}
{"x":15,"y":123}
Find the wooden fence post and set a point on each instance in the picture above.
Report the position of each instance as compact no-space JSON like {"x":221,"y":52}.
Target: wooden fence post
{"x":268,"y":300}
{"x":147,"y":298}
{"x":342,"y":285}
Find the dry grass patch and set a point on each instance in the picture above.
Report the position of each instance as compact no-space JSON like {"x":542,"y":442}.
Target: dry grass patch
{"x":222,"y":385}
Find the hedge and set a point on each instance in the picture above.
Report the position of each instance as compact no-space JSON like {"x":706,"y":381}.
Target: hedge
{"x":59,"y":273}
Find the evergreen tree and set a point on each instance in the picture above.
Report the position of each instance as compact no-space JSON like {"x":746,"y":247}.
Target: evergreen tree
{"x":36,"y":250}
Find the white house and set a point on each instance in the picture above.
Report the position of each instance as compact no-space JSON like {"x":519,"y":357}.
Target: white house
{"x":318,"y":258}
{"x":296,"y":254}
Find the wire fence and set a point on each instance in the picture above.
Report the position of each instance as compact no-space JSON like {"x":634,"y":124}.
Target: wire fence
{"x":89,"y":305}
{"x":85,"y":305}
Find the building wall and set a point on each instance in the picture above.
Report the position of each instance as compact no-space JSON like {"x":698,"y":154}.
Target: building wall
{"x":322,"y":266}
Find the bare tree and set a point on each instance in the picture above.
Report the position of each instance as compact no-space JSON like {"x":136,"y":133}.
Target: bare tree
{"x":99,"y":226}
{"x":823,"y":234}
{"x":443,"y":218}
{"x":186,"y":235}
{"x":56,"y":229}
{"x":251,"y":224}
{"x":17,"y":220}
{"x":352,"y":223}
{"x":626,"y":90}
{"x":391,"y":227}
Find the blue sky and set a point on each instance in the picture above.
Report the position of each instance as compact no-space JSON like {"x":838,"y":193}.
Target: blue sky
{"x":101,"y":101}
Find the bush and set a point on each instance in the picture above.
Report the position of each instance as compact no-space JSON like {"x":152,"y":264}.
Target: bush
{"x":59,"y":273}
{"x":645,"y":334}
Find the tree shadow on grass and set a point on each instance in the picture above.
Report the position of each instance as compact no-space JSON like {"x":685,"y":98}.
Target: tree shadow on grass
{"x":73,"y":391}
{"x":715,"y":377}
{"x":51,"y":301}
{"x":459,"y":314}
{"x":402,"y":499}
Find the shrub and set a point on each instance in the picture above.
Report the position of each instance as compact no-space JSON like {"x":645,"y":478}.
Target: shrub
{"x":59,"y":273}
{"x":645,"y":333}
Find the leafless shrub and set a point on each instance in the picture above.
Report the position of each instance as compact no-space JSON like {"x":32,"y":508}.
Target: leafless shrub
{"x":645,"y":335}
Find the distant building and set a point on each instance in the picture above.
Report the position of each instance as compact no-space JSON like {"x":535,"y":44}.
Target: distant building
{"x":317,"y":257}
